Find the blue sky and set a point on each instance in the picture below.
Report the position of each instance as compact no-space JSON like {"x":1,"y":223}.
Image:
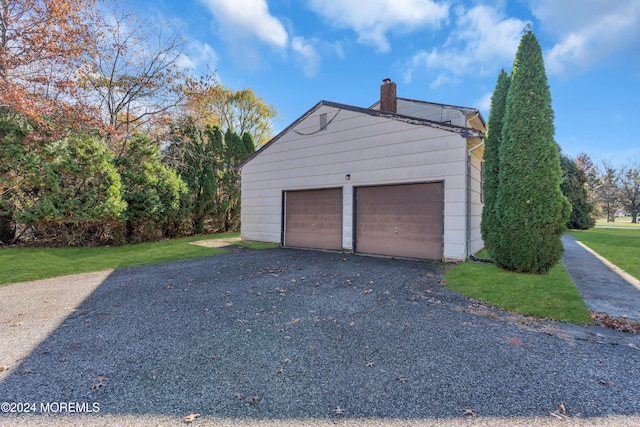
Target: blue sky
{"x":294,"y":53}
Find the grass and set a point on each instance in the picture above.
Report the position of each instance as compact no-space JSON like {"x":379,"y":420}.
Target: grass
{"x":23,"y":264}
{"x":550,"y":296}
{"x":624,"y":221}
{"x":621,"y":246}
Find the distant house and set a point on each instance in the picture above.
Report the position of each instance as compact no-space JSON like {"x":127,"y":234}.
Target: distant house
{"x":401,"y":178}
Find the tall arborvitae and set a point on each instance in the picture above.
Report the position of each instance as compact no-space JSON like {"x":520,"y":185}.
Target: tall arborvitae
{"x":490,"y":221}
{"x":533,"y":210}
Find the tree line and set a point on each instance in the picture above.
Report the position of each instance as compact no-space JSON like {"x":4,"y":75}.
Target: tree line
{"x":605,"y":191}
{"x":106,"y":134}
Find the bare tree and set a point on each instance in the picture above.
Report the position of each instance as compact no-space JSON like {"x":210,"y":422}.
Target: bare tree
{"x":134,"y":76}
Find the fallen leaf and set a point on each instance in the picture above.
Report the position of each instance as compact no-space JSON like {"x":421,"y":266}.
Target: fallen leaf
{"x":190,"y":418}
{"x":4,"y":368}
{"x":515,"y":341}
{"x":99,"y":383}
{"x":562,"y":409}
{"x":339,"y":410}
{"x":238,"y":396}
{"x":402,"y":380}
{"x":469,"y":411}
{"x":26,"y":371}
{"x":169,"y":287}
{"x":279,"y":371}
{"x":370,"y":364}
{"x":97,"y":386}
{"x":294,"y":321}
{"x":253,"y":400}
{"x":558,"y":415}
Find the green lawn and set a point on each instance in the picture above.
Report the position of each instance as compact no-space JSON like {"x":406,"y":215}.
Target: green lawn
{"x":624,"y":221}
{"x":621,"y":246}
{"x":22,"y":264}
{"x":551,"y":296}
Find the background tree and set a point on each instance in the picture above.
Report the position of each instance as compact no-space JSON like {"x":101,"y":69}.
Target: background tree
{"x":41,"y":45}
{"x":152,"y":191}
{"x":630,"y":189}
{"x":490,"y":220}
{"x":134,"y":76}
{"x":20,"y":174}
{"x":608,"y":190}
{"x":533,"y":210}
{"x":239,"y":111}
{"x":79,"y":201}
{"x":575,"y":188}
{"x":196,"y":154}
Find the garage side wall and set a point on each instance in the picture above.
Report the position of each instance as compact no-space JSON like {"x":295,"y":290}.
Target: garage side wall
{"x":355,"y":149}
{"x":477,"y":201}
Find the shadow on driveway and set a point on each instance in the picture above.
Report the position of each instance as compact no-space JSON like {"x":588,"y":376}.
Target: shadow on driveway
{"x":292,"y":334}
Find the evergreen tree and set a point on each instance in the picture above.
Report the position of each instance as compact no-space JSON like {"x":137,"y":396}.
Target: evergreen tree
{"x":490,"y":220}
{"x":533,"y":210}
{"x":153,"y":192}
{"x":574,"y":187}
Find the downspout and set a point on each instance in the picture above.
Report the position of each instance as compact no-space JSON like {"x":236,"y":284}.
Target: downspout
{"x":469,"y":151}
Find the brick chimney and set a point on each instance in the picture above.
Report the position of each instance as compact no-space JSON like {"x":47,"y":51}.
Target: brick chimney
{"x":388,"y":101}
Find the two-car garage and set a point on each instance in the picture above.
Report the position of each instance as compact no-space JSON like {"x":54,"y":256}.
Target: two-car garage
{"x":394,"y":220}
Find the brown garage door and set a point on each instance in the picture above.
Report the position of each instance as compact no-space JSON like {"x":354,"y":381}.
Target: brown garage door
{"x":313,"y":219}
{"x":400,"y":220}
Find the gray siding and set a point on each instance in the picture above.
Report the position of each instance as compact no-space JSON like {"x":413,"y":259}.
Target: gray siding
{"x":372,"y":150}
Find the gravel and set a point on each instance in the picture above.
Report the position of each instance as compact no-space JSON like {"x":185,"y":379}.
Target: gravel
{"x":295,"y":335}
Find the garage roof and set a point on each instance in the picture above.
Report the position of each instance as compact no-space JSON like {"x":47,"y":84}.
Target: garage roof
{"x":465,"y":132}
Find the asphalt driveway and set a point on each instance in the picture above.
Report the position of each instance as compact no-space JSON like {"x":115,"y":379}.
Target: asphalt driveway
{"x":291,"y":335}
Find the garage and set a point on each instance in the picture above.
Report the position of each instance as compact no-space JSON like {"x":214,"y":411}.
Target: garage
{"x":400,"y":220}
{"x":313,"y":219}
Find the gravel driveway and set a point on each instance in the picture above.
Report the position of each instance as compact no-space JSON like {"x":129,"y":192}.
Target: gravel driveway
{"x":292,"y":335}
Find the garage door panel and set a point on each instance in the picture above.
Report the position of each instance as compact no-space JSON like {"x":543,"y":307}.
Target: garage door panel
{"x":313,"y":219}
{"x":400,"y":220}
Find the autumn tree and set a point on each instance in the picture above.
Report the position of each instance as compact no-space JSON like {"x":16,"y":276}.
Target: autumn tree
{"x":533,"y":210}
{"x":134,"y":76}
{"x":490,"y":216}
{"x":41,"y":47}
{"x":240,"y":111}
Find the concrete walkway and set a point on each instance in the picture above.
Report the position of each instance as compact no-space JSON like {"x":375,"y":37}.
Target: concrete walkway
{"x":602,"y":289}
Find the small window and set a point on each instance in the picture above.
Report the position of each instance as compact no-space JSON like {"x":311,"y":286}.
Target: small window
{"x":323,"y":121}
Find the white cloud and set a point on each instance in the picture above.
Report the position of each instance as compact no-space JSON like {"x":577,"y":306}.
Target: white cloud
{"x":310,"y":52}
{"x":307,"y":55}
{"x":241,"y":18}
{"x":198,"y":55}
{"x":372,"y":19}
{"x":482,"y":42}
{"x":484,"y":104}
{"x":589,"y":31}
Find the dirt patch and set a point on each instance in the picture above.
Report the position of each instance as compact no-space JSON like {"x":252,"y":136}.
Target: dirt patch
{"x":215,"y":243}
